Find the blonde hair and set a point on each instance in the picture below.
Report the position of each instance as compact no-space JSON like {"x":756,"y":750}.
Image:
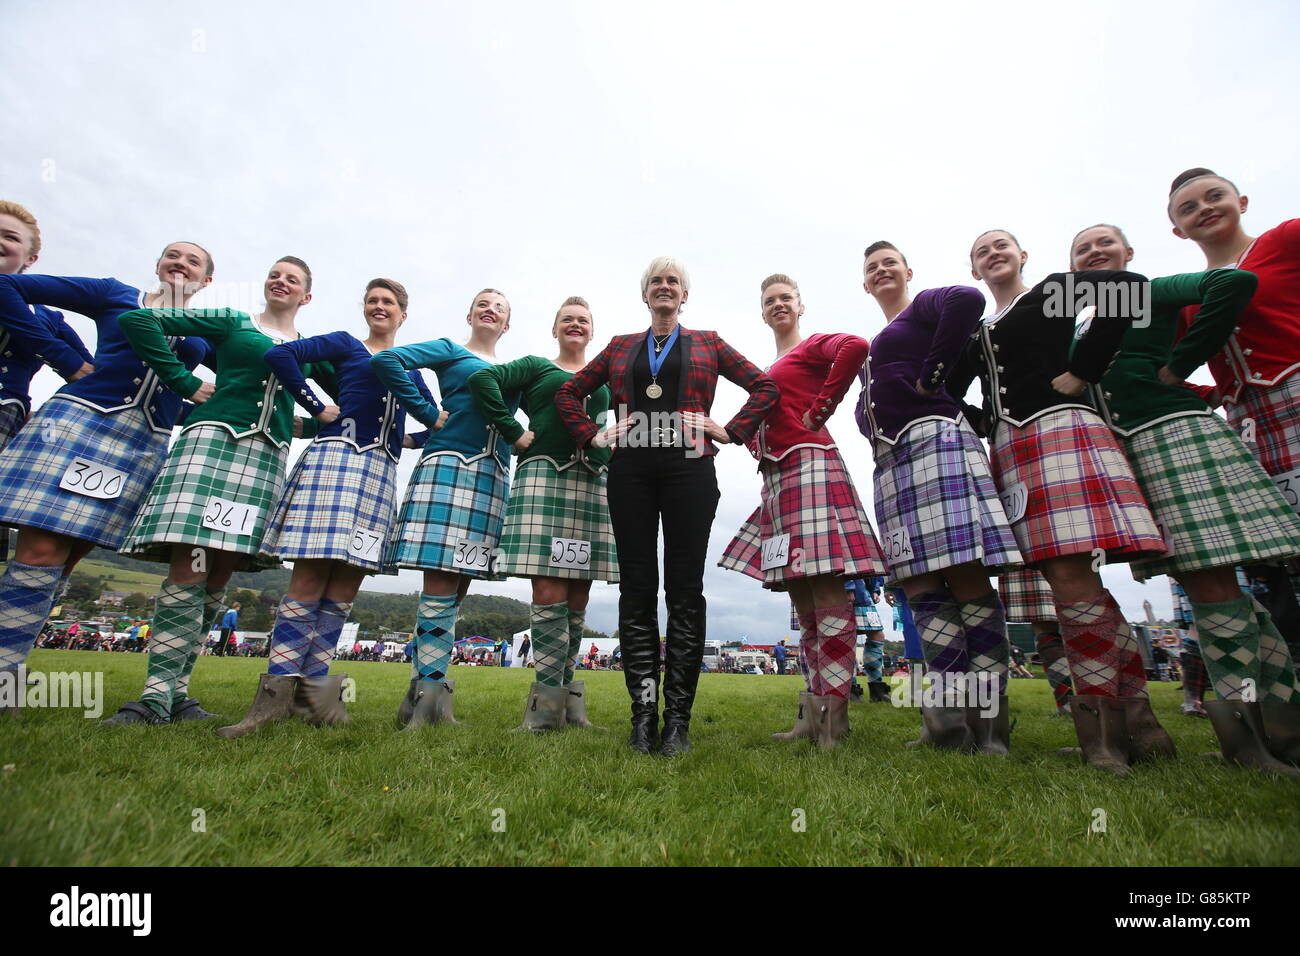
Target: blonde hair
{"x":493,"y":291}
{"x":659,"y":264}
{"x":572,"y":300}
{"x":20,"y":213}
{"x":776,"y":277}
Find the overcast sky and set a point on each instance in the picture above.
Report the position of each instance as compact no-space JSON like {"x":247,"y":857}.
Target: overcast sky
{"x":552,"y":149}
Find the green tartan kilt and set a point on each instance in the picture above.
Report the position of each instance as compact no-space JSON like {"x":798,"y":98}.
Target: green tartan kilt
{"x":546,"y":504}
{"x":208,"y":462}
{"x":1216,"y":506}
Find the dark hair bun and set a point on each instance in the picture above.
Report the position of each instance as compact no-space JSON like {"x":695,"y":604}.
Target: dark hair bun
{"x":1187,"y":175}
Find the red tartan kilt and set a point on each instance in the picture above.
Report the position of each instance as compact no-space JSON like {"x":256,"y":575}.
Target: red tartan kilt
{"x":1274,"y":414}
{"x":808,"y":495}
{"x":1027,"y":596}
{"x":1082,"y":495}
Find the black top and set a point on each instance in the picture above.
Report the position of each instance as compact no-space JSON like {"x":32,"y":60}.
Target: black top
{"x":669,"y":379}
{"x":1020,"y":352}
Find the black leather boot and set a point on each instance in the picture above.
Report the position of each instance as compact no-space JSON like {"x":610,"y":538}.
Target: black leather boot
{"x":638,"y":633}
{"x":685,"y":652}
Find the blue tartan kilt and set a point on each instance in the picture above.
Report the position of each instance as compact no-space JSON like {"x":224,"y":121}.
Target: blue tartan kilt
{"x":336,"y":499}
{"x":452,"y":507}
{"x":35,"y":461}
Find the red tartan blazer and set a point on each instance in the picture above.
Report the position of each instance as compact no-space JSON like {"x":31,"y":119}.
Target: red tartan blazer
{"x":704,"y":356}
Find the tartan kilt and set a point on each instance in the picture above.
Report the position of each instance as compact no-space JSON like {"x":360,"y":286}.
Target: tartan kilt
{"x":31,"y":469}
{"x":333,"y":492}
{"x":12,"y":418}
{"x":934,"y":485}
{"x":1027,"y":596}
{"x":1217,"y":506}
{"x":1276,"y":414}
{"x":208,"y":462}
{"x":546,"y":503}
{"x":808,"y":495}
{"x":447,"y":500}
{"x":1081,"y":491}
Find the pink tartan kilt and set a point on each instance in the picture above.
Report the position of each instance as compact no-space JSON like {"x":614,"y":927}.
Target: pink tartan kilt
{"x":1082,"y":495}
{"x":807,"y":494}
{"x":1027,"y":597}
{"x":1275,"y":413}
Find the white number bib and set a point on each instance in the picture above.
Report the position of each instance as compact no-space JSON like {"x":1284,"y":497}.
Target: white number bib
{"x":366,"y":544}
{"x":570,"y":553}
{"x":1014,"y":501}
{"x":1289,"y":484}
{"x":898,"y":546}
{"x":92,"y":480}
{"x":776,"y":552}
{"x":230,"y":517}
{"x":471,"y":555}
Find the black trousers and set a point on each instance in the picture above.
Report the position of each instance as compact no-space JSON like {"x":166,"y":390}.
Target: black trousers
{"x":650,"y":489}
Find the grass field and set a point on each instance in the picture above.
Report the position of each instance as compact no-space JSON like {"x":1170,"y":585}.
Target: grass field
{"x":122,"y":579}
{"x":77,"y":794}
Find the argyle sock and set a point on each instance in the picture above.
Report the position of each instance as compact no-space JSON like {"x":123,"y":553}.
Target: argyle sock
{"x":1229,"y":634}
{"x":26,"y":596}
{"x":835,"y":658}
{"x":873,"y":660}
{"x":1132,"y":672}
{"x":809,"y":642}
{"x":435,"y":633}
{"x":577,"y":621}
{"x":938,"y":620}
{"x":550,"y":626}
{"x":985,"y":621}
{"x":60,"y":591}
{"x":1051,"y":651}
{"x":291,"y":637}
{"x":214,"y":605}
{"x":1194,"y":678}
{"x":1277,"y":679}
{"x":1089,"y":632}
{"x":324,"y":638}
{"x":177,"y":627}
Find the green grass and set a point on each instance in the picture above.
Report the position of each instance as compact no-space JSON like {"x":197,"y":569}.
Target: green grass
{"x":78,"y":794}
{"x":122,"y":579}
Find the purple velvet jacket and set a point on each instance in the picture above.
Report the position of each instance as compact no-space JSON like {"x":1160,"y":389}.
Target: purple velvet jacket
{"x":923,"y":344}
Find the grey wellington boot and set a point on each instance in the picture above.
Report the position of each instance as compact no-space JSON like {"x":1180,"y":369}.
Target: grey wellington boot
{"x":274,"y":701}
{"x":319,"y":700}
{"x":545,"y":709}
{"x":575,"y":705}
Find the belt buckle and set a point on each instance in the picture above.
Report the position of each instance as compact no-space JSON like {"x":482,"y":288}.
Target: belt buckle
{"x":664,"y":436}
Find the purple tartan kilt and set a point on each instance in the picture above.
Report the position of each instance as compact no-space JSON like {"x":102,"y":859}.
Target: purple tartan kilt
{"x":936,"y":504}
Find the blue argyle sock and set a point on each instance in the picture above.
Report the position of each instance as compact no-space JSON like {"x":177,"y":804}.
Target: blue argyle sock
{"x":873,"y":660}
{"x":435,"y":632}
{"x":291,"y":637}
{"x":26,"y":593}
{"x":325,"y":637}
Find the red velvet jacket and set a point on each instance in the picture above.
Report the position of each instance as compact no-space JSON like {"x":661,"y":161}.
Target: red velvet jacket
{"x":704,"y":355}
{"x":1265,"y":348}
{"x":813,"y":377}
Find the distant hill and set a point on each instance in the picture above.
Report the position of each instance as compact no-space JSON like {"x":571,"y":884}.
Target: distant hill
{"x":482,"y":614}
